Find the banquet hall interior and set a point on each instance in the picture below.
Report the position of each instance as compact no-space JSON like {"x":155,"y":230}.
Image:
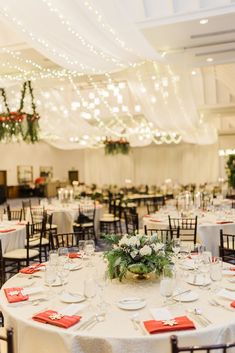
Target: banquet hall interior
{"x":117,"y":176}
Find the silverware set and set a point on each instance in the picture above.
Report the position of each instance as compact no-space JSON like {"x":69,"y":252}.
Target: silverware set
{"x":137,"y":323}
{"x":215,"y":302}
{"x":91,"y":322}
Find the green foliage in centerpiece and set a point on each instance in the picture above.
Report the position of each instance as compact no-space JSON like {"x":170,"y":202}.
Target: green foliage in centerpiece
{"x":139,"y":254}
{"x":231,"y":170}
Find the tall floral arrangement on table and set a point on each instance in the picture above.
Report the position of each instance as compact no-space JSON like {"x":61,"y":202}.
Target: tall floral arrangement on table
{"x":19,"y":124}
{"x":139,"y":254}
{"x":230,"y":170}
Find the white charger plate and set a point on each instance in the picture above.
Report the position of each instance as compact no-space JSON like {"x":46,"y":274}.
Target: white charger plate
{"x":131,"y":303}
{"x":72,"y":297}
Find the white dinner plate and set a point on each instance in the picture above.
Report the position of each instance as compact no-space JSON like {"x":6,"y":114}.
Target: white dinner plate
{"x":71,"y":297}
{"x":186,"y":297}
{"x":198,"y":280}
{"x":74,"y":266}
{"x":131,"y":303}
{"x":57,"y":283}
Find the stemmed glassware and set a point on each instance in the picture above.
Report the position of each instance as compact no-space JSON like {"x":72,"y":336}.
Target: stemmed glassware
{"x":81,"y":246}
{"x":89,"y":250}
{"x":167,"y":283}
{"x":63,"y":265}
{"x":50,"y":277}
{"x":216,"y":271}
{"x":90,"y":288}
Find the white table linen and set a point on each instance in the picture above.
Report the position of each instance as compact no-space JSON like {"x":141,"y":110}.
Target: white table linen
{"x":208,"y":229}
{"x":116,"y":334}
{"x":14,"y":239}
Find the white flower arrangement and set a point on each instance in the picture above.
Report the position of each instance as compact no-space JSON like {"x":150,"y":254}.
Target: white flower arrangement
{"x":137,"y":253}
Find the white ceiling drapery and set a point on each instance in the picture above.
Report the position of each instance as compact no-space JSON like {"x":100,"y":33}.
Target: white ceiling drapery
{"x":97,"y":36}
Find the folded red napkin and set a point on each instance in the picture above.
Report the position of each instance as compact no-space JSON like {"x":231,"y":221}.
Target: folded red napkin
{"x":74,"y":255}
{"x":54,"y":318}
{"x":154,"y":220}
{"x":176,"y":324}
{"x":7,"y":230}
{"x":224,"y":222}
{"x":14,"y":295}
{"x":147,"y":215}
{"x":32,"y":268}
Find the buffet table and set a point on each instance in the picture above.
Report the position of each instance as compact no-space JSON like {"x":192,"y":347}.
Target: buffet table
{"x":209,"y":225}
{"x":116,"y":334}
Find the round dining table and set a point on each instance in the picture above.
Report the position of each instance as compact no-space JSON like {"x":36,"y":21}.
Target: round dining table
{"x":208,"y":229}
{"x":121,"y":328}
{"x":12,"y":235}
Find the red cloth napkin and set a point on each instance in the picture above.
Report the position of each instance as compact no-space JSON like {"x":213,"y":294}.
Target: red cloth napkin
{"x":15,"y":298}
{"x":32,"y":268}
{"x":233,"y":304}
{"x":155,"y":326}
{"x":65,"y":321}
{"x":154,"y":220}
{"x":224,"y":222}
{"x":7,"y":230}
{"x":74,"y":255}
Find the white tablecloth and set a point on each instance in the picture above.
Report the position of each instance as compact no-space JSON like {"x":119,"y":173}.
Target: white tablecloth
{"x":14,"y":239}
{"x":116,"y":334}
{"x":64,"y":216}
{"x":208,"y":231}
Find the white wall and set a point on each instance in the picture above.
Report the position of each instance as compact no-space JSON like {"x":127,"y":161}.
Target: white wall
{"x":152,"y":165}
{"x":40,"y":154}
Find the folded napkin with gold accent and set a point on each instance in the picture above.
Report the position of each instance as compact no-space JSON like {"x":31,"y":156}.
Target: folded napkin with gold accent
{"x":15,"y":295}
{"x":7,"y":230}
{"x":175,"y":324}
{"x":224,"y":222}
{"x":54,"y":318}
{"x":74,"y":255}
{"x":32,"y":268}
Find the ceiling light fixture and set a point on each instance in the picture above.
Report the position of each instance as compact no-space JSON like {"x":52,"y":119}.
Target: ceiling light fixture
{"x":209,"y":60}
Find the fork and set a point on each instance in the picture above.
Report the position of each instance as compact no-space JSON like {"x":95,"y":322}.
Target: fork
{"x":214,"y":302}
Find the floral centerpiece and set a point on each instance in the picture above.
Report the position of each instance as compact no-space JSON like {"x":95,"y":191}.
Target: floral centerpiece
{"x":113,"y":147}
{"x":139,"y":254}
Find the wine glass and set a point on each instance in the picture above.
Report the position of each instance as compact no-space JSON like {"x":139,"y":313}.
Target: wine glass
{"x":81,"y":246}
{"x":216,"y":271}
{"x":176,"y":247}
{"x":89,"y":289}
{"x":63,"y":272}
{"x":53,"y":257}
{"x":167,"y":283}
{"x":50,"y":277}
{"x":89,"y":250}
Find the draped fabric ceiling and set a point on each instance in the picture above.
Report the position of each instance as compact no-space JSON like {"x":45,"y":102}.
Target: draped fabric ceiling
{"x":115,"y":84}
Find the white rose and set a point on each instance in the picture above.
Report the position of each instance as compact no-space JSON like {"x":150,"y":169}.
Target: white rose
{"x":146,"y":250}
{"x":123,"y":241}
{"x":157,"y":247}
{"x":134,"y":253}
{"x":134,"y":241}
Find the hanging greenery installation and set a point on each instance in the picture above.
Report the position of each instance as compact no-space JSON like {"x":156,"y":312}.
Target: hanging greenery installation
{"x":113,"y":147}
{"x":19,"y":125}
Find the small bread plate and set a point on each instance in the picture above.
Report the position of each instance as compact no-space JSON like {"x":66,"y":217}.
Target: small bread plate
{"x":70,"y":297}
{"x":73,"y":266}
{"x":189,"y":296}
{"x":198,"y":280}
{"x":131,"y":303}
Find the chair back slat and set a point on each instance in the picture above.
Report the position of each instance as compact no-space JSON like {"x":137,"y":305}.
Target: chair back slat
{"x":223,"y":347}
{"x":132,"y":222}
{"x":187,"y":228}
{"x":67,"y":240}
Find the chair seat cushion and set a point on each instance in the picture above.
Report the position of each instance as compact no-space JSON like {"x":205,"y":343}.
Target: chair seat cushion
{"x":20,"y":254}
{"x":36,"y":242}
{"x":110,"y":219}
{"x":52,"y":226}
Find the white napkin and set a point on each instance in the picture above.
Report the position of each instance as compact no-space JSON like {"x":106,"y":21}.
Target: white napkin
{"x":161,"y":314}
{"x":33,"y":290}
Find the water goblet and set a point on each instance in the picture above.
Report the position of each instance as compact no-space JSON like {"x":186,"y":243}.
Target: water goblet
{"x":167,"y":283}
{"x":53,"y":257}
{"x":89,"y":250}
{"x":63,"y":273}
{"x":50,"y":277}
{"x":216,"y":265}
{"x":89,"y":289}
{"x":63,"y":254}
{"x":81,"y":246}
{"x":176,"y":247}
